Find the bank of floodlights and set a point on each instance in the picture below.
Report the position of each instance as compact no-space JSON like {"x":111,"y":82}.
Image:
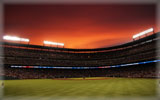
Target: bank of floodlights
{"x":53,"y":43}
{"x":15,"y":38}
{"x":143,"y":33}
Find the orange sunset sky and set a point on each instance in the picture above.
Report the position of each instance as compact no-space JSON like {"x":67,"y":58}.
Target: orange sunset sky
{"x":78,"y":26}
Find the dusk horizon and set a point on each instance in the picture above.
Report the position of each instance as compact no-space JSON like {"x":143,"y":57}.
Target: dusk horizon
{"x":78,"y":26}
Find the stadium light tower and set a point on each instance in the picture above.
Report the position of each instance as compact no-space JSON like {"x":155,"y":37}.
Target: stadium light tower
{"x":14,"y":38}
{"x":143,"y":33}
{"x":53,"y":43}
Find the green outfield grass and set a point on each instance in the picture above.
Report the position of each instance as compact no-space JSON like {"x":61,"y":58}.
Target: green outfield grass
{"x":77,"y":87}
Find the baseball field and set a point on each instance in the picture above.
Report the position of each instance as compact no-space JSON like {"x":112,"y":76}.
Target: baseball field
{"x":79,"y":89}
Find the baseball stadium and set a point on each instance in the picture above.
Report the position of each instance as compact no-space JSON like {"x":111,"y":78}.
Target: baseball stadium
{"x":124,"y":70}
{"x":105,"y":52}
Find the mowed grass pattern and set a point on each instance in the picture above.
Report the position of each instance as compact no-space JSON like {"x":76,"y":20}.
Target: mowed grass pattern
{"x":112,"y":87}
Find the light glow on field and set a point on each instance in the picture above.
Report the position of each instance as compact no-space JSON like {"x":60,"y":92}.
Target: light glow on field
{"x":53,"y":43}
{"x":14,"y":38}
{"x":143,"y":33}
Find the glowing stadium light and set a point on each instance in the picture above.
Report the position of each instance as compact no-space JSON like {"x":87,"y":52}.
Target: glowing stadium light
{"x":53,"y":43}
{"x":23,"y":39}
{"x":11,"y":38}
{"x":14,"y":38}
{"x":143,"y":33}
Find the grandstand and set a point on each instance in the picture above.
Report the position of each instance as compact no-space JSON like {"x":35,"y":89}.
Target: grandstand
{"x":141,"y":51}
{"x":34,"y":72}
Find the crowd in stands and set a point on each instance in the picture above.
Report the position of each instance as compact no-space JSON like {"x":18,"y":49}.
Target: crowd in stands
{"x":20,"y":52}
{"x":16,"y":55}
{"x":137,"y":71}
{"x":141,"y":52}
